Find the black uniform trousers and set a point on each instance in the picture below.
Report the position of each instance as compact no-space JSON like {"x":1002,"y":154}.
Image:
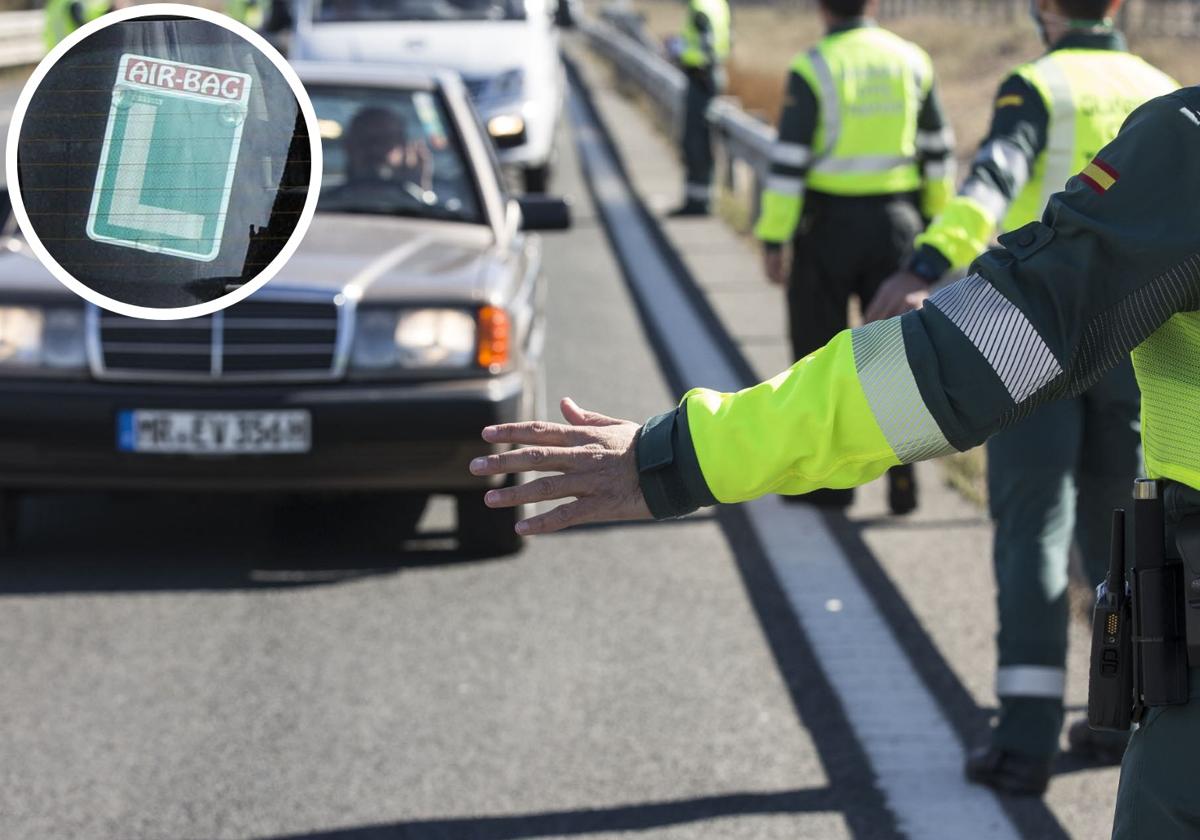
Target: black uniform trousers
{"x":844,"y":246}
{"x":702,"y":84}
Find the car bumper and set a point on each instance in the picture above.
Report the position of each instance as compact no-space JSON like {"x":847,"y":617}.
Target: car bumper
{"x":380,"y":436}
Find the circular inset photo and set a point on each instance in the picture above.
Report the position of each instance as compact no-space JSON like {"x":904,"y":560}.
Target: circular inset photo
{"x":163,"y":161}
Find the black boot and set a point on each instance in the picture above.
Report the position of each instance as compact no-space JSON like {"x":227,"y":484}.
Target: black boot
{"x":691,"y":207}
{"x":902,"y":489}
{"x":1009,"y":772}
{"x":1100,"y":747}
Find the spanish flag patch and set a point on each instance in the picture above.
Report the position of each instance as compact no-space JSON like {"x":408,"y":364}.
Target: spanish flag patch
{"x":1010,"y":100}
{"x":1099,"y":176}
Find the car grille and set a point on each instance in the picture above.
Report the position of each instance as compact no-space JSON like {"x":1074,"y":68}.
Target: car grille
{"x":264,"y":338}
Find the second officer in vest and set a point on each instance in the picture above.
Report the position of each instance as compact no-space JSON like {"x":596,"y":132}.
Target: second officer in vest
{"x":1059,"y":473}
{"x":704,"y":49}
{"x":864,"y":155}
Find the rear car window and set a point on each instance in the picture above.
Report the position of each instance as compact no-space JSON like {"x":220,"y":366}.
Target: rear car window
{"x":392,"y":152}
{"x":163,"y":161}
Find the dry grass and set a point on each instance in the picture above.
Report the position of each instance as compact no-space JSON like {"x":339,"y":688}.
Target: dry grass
{"x":971,"y":60}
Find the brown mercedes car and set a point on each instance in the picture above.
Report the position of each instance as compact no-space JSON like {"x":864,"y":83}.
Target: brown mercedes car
{"x":410,"y":317}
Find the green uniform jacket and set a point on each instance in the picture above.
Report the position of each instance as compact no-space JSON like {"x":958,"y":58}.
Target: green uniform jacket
{"x":1005,"y":163}
{"x":1113,"y":260}
{"x":802,"y":126}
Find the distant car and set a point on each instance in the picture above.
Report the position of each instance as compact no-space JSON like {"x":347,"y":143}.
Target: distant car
{"x":410,"y":317}
{"x":505,"y":50}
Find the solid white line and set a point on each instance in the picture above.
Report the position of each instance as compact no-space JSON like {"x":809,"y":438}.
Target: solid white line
{"x":911,"y":747}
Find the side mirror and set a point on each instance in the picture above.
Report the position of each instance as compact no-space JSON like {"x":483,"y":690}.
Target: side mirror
{"x":542,"y":212}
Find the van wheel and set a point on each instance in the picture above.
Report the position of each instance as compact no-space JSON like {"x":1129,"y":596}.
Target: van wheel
{"x":10,"y":520}
{"x":537,"y":178}
{"x":484,"y":531}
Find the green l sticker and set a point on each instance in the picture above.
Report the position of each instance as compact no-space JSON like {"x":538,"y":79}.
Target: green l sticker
{"x":168,"y":159}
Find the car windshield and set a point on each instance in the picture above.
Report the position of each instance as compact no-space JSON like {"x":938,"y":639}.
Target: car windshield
{"x":392,"y":152}
{"x":328,"y":11}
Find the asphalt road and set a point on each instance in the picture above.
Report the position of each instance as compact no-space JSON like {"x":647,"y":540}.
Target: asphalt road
{"x":199,"y":667}
{"x":263,"y":669}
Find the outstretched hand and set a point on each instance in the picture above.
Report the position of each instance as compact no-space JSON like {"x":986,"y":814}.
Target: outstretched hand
{"x":594,"y":457}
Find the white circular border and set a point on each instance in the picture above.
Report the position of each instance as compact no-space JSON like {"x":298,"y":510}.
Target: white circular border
{"x":153,"y":312}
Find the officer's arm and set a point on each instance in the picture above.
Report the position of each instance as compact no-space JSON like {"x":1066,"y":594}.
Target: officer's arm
{"x":783,"y":197}
{"x":1000,"y":171}
{"x":935,"y":154}
{"x":1044,"y":317}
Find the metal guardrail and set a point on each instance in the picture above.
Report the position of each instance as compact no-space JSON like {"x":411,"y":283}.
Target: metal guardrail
{"x":741,"y":143}
{"x":21,"y":38}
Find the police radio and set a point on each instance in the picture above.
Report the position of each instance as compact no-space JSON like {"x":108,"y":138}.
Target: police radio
{"x":1110,"y":684}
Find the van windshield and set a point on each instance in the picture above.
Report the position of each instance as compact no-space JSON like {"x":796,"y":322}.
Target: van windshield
{"x":330,"y":11}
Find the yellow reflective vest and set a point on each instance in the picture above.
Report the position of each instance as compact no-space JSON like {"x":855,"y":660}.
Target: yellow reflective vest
{"x":60,"y":22}
{"x":1087,"y":94}
{"x":697,"y":52}
{"x":250,"y":12}
{"x":867,"y":90}
{"x":869,"y":84}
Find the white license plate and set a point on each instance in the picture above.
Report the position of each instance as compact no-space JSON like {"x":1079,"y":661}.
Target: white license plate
{"x":214,"y":432}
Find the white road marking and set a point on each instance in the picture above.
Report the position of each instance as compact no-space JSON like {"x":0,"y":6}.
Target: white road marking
{"x":910,"y":745}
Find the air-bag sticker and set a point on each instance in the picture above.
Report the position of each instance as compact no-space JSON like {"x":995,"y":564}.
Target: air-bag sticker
{"x":168,"y":159}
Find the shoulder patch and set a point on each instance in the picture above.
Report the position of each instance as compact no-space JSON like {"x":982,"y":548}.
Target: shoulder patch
{"x":1012,"y":100}
{"x":1100,"y":176}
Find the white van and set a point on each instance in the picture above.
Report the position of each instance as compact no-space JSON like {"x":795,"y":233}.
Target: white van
{"x":505,"y":50}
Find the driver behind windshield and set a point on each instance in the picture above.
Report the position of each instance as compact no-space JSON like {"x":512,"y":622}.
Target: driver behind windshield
{"x":379,"y":155}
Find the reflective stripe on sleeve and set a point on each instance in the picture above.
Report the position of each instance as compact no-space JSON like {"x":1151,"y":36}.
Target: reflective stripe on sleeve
{"x":935,"y":141}
{"x":791,"y":154}
{"x":892,"y":393}
{"x":936,"y":170}
{"x":987,"y":196}
{"x":1007,"y":157}
{"x":1001,"y":332}
{"x":785,"y":185}
{"x":1030,"y":681}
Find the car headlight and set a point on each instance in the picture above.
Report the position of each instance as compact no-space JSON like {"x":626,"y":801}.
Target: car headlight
{"x":505,"y":86}
{"x":415,"y":339}
{"x":34,"y":339}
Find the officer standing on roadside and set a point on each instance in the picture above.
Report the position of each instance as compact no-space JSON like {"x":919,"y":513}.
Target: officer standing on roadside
{"x":65,"y":16}
{"x":1112,"y":268}
{"x":704,"y":49}
{"x":253,"y":13}
{"x":1063,"y":470}
{"x":863,"y":157}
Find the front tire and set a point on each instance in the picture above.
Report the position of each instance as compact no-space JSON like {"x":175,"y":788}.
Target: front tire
{"x":485,"y":531}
